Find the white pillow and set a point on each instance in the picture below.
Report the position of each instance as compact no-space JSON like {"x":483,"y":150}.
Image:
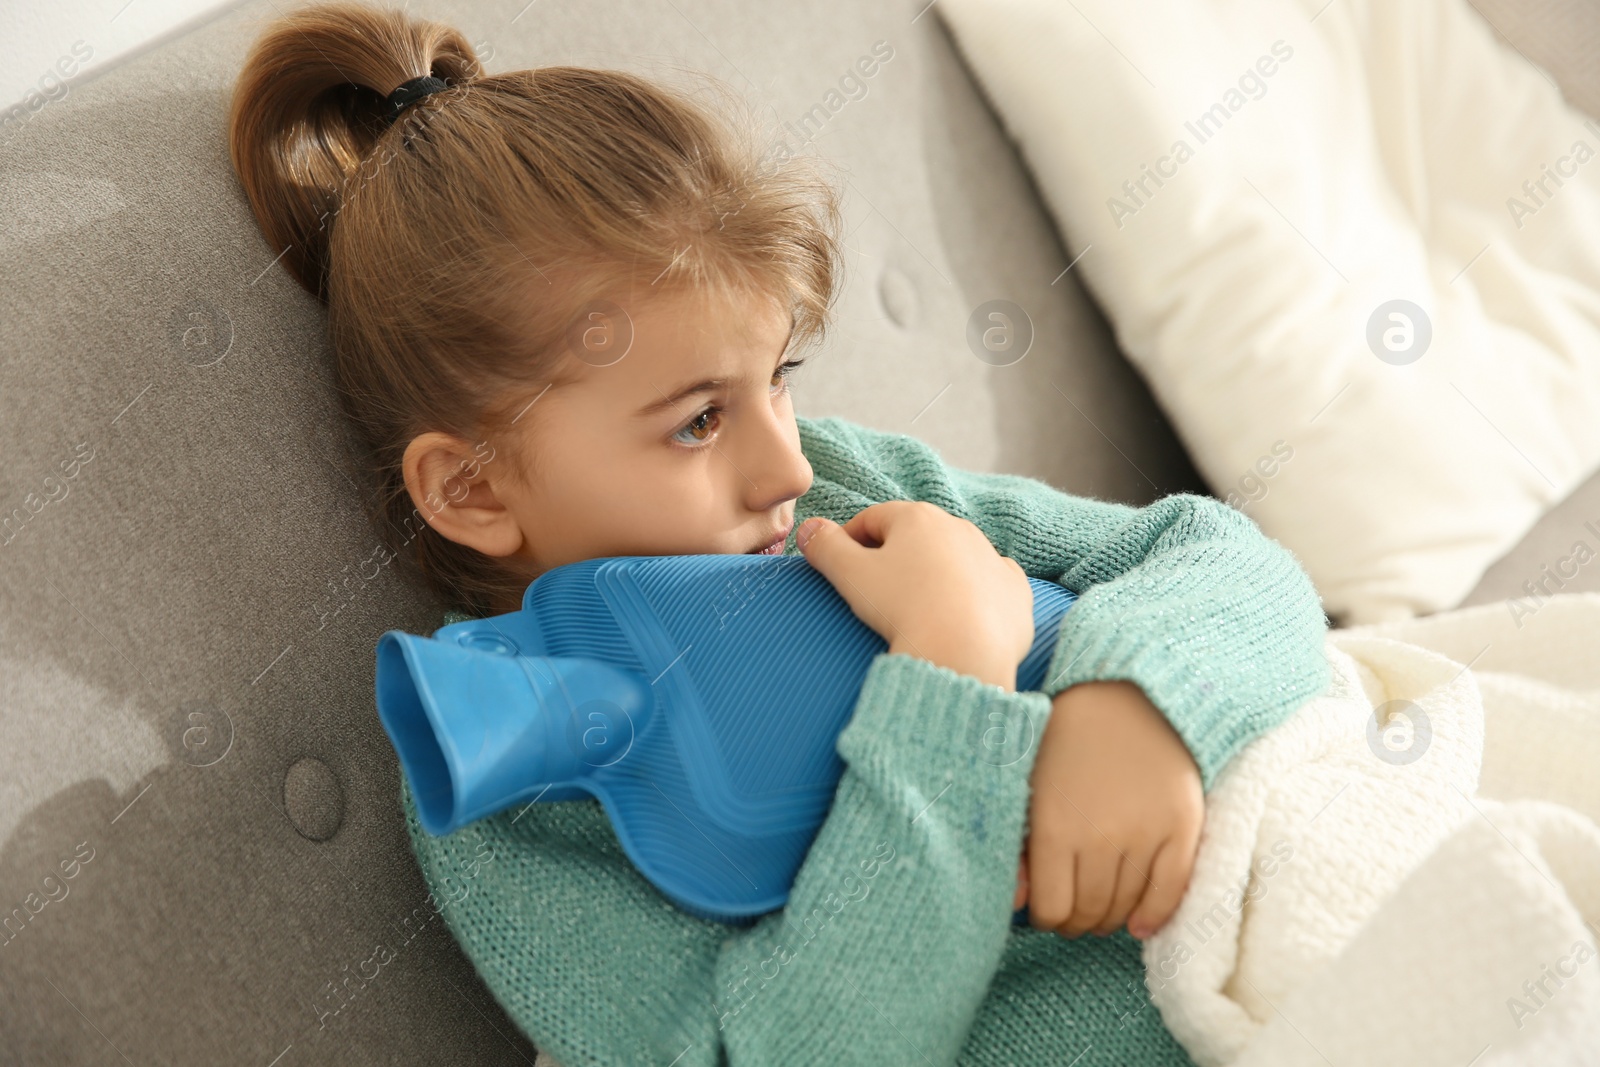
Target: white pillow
{"x":1249,"y":184}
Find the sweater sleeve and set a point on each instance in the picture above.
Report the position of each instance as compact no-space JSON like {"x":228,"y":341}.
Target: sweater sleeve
{"x":899,"y":915}
{"x":894,"y":927}
{"x":1218,"y":624}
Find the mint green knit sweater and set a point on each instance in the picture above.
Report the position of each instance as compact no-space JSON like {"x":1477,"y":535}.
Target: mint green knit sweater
{"x":896,"y":945}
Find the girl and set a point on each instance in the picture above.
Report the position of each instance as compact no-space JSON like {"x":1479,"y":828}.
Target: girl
{"x":565,"y":304}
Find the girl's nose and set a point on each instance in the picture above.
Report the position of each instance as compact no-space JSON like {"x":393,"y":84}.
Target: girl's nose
{"x":777,"y":469}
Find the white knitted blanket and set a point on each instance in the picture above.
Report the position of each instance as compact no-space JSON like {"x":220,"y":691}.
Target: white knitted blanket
{"x":1408,"y":870}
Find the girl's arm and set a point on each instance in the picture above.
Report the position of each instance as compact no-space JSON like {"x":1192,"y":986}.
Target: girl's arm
{"x":1216,"y":623}
{"x":899,"y":915}
{"x":893,"y":930}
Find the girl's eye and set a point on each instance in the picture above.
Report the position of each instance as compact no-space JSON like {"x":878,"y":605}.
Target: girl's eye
{"x":697,"y":426}
{"x":781,"y":375}
{"x":700,"y":428}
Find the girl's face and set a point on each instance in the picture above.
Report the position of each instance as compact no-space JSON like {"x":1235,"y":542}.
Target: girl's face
{"x":684,"y":444}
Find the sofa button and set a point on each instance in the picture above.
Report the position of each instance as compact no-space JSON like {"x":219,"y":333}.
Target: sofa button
{"x":312,"y":799}
{"x":898,"y":297}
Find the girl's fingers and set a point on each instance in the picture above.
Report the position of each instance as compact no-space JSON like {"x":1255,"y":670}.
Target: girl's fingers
{"x":1051,"y":885}
{"x":870,"y":525}
{"x":1131,"y":886}
{"x":1169,"y":873}
{"x":1096,"y":884}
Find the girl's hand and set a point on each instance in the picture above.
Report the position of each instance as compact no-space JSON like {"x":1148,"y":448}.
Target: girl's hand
{"x":1115,"y":815}
{"x":930,"y":583}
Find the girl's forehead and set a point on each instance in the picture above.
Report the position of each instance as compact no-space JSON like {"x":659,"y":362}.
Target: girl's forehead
{"x":684,"y":329}
{"x":647,"y":350}
{"x":734,"y":314}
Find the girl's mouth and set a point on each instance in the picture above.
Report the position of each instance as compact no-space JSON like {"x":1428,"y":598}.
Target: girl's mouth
{"x":775,"y":546}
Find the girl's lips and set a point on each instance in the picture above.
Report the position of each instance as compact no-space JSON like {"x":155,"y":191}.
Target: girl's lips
{"x":775,"y":547}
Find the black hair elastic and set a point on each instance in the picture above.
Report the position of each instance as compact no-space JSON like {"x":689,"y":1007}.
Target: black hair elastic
{"x":410,"y":92}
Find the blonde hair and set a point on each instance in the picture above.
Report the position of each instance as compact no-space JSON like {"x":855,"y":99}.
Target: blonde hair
{"x":457,"y":248}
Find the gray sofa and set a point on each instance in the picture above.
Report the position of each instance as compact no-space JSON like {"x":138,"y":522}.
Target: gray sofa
{"x":201,"y":849}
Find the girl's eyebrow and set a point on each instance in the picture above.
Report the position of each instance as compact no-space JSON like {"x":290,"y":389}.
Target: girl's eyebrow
{"x":707,"y":386}
{"x":665,"y":402}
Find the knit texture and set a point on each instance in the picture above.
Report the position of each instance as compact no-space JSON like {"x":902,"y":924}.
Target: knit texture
{"x":896,"y":945}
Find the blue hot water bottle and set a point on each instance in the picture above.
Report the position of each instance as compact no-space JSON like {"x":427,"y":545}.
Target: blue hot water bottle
{"x":697,"y":697}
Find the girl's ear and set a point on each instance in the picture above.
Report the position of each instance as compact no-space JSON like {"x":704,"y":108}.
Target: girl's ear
{"x":450,"y":488}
